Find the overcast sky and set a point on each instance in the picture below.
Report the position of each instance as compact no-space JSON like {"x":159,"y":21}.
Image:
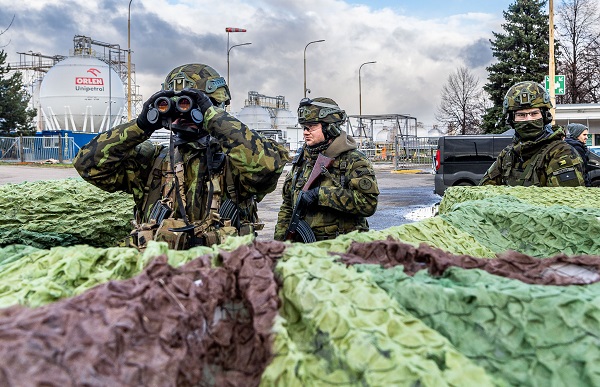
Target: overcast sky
{"x":416,"y":44}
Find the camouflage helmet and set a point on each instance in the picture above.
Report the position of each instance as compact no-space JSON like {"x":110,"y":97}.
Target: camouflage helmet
{"x":320,"y":109}
{"x":199,"y":76}
{"x":526,"y":95}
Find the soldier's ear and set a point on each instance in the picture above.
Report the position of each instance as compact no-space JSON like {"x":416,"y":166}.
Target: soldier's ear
{"x":547,"y":117}
{"x":331,"y":131}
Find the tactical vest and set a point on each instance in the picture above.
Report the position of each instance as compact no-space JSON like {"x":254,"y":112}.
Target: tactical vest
{"x":326,"y":223}
{"x":527,"y":172}
{"x":162,"y":214}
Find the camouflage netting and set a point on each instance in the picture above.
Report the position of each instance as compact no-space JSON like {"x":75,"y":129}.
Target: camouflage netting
{"x":65,"y":212}
{"x":339,"y":328}
{"x":36,"y":277}
{"x":573,"y":197}
{"x":190,"y":326}
{"x":523,"y":334}
{"x":367,"y":324}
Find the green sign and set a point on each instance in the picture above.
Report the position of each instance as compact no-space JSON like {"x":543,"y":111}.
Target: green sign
{"x":559,"y":84}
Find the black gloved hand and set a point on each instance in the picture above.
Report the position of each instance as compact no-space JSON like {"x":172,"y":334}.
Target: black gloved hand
{"x":201,"y":99}
{"x":310,"y":198}
{"x":149,"y":119}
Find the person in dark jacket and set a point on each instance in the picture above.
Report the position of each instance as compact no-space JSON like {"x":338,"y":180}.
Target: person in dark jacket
{"x":577,"y":135}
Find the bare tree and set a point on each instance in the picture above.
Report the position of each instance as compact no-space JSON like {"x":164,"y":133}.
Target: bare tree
{"x":578,"y":29}
{"x":462,"y":103}
{"x":6,"y":29}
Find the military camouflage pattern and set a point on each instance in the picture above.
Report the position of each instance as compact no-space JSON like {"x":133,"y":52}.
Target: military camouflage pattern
{"x":320,"y":109}
{"x":122,"y":159}
{"x":199,"y":76}
{"x":347,"y":195}
{"x":549,"y":162}
{"x":526,"y":95}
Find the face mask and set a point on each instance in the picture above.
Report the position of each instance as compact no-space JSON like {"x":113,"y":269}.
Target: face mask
{"x":529,"y":130}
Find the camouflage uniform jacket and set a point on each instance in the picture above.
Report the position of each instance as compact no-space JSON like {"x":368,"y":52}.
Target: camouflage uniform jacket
{"x":347,"y":194}
{"x":548,"y":162}
{"x":122,"y":159}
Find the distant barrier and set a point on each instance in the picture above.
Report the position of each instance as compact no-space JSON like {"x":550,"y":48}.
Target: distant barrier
{"x":407,"y":152}
{"x":35,"y":149}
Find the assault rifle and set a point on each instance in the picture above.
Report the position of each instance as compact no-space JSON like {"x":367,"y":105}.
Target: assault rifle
{"x":298,"y":226}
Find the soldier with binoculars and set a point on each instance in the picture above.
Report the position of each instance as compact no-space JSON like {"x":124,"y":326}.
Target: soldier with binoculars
{"x":205,"y":185}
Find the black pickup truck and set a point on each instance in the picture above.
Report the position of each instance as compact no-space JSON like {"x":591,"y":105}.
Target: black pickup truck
{"x":463,"y":160}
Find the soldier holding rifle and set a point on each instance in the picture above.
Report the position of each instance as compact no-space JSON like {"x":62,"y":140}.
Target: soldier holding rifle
{"x":331,"y":188}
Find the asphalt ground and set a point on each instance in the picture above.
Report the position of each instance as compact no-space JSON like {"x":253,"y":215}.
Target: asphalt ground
{"x":406,"y":195}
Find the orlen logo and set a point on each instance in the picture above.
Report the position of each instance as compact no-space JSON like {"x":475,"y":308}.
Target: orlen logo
{"x":90,"y":81}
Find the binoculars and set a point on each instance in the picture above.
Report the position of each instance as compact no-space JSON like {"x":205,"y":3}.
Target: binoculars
{"x":179,"y":105}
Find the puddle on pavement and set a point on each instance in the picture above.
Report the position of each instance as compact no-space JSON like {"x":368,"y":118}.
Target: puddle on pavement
{"x":423,"y":213}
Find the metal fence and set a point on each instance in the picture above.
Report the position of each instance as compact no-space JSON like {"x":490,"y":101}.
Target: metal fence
{"x":412,"y":150}
{"x":407,"y":152}
{"x":31,"y":149}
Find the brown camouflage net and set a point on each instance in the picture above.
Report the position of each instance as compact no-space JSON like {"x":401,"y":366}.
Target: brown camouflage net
{"x":186,"y":326}
{"x":558,"y":270}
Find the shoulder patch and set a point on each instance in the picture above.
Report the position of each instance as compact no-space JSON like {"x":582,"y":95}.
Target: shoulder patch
{"x":365,"y":184}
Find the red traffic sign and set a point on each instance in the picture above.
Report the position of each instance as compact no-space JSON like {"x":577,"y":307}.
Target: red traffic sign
{"x":233,"y":29}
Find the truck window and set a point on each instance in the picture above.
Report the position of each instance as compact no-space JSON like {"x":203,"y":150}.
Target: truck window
{"x":468,"y":150}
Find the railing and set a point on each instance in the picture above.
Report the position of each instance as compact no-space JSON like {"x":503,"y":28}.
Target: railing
{"x":412,"y":150}
{"x":408,"y":152}
{"x":35,"y":149}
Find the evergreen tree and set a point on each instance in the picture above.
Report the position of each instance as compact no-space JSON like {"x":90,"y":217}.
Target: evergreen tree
{"x":522,"y":54}
{"x":15,"y":117}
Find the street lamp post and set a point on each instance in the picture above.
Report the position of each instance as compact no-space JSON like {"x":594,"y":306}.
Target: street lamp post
{"x":309,"y":43}
{"x":129,"y":61}
{"x":230,"y":30}
{"x":230,"y":48}
{"x":360,"y":98}
{"x":360,"y":90}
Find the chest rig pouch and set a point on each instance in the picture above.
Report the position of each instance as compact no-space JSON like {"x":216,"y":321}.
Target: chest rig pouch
{"x":526,"y":173}
{"x":163,"y":215}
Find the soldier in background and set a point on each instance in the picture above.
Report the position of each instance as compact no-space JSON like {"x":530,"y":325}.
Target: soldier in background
{"x":538,"y":155}
{"x":347,"y":191}
{"x":577,"y":135}
{"x":205,"y":185}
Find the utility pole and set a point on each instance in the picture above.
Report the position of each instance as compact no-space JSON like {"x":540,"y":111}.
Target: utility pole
{"x":551,"y":67}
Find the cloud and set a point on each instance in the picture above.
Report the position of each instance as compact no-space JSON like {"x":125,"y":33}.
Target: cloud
{"x":414,"y":56}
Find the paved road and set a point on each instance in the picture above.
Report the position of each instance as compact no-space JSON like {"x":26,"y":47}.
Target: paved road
{"x":22,"y":173}
{"x":404,"y":198}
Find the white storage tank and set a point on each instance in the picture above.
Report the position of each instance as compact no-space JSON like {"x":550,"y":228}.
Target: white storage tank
{"x":75,"y":94}
{"x":255,"y":117}
{"x":285,"y":119}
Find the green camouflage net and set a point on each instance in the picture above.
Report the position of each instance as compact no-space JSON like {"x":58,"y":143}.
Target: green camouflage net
{"x":359,"y":325}
{"x":63,"y":212}
{"x":339,"y":328}
{"x":527,"y":335}
{"x":573,"y":197}
{"x":36,"y":277}
{"x":503,"y":223}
